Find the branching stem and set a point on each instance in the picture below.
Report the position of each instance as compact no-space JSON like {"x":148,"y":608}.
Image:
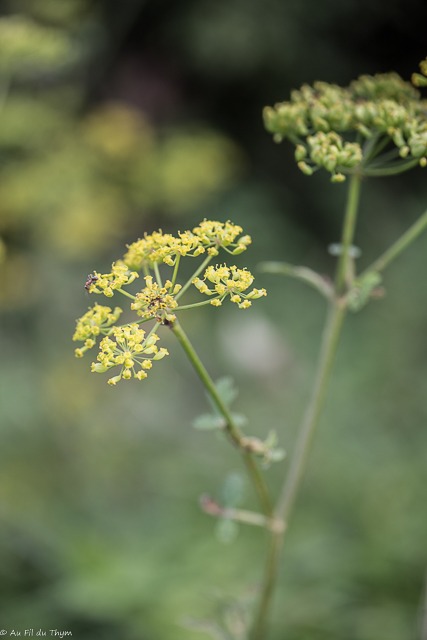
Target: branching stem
{"x":400,"y":245}
{"x":331,"y":334}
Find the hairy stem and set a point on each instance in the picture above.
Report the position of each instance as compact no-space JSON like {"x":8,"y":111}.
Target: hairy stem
{"x":231,"y":429}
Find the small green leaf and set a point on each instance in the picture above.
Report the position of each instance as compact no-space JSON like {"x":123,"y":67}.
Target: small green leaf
{"x":227,"y":531}
{"x":232,"y":490}
{"x":208,"y":422}
{"x":277,"y":455}
{"x":362,"y":290}
{"x":271,"y":439}
{"x":227,"y":391}
{"x":239,"y":419}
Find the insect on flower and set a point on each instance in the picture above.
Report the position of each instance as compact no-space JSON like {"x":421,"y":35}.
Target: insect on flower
{"x":91,"y":279}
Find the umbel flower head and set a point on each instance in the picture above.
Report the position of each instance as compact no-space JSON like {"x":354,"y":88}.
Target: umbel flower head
{"x":129,"y":349}
{"x":208,"y":237}
{"x":95,"y":322}
{"x":155,"y":301}
{"x":375,"y":126}
{"x":228,"y":281}
{"x":107,"y":283}
{"x":128,"y":346}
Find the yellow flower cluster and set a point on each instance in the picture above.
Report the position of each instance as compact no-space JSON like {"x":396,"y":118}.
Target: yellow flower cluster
{"x":97,"y":321}
{"x":155,"y":301}
{"x":214,"y":235}
{"x":127,"y":345}
{"x":107,"y":283}
{"x":129,"y":349}
{"x":228,"y":281}
{"x":208,"y":237}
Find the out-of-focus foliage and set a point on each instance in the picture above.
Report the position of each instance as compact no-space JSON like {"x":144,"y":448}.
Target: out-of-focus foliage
{"x":29,"y":49}
{"x":110,"y":125}
{"x":72,"y":177}
{"x":97,"y":171}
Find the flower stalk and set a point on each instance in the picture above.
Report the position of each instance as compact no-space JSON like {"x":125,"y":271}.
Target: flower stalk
{"x":399,"y":246}
{"x":298,"y":463}
{"x":232,"y":431}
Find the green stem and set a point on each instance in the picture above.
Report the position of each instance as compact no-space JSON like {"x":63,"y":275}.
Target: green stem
{"x":175,"y":271}
{"x":328,"y":349}
{"x":348,"y":232}
{"x":392,"y":170}
{"x":231,"y":429}
{"x":400,"y":245}
{"x":195,"y":274}
{"x":259,"y":626}
{"x":157,"y":274}
{"x":196,"y":304}
{"x":125,"y":293}
{"x":373,"y":147}
{"x":298,"y":463}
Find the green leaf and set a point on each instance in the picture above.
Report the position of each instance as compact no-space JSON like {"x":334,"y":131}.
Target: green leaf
{"x":362,"y":290}
{"x":232,"y":490}
{"x":208,"y":422}
{"x":227,"y":531}
{"x":227,"y":391}
{"x":239,"y":419}
{"x":277,"y":455}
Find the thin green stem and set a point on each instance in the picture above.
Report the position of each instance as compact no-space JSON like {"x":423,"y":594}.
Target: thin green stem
{"x":298,"y":463}
{"x":197,"y":304}
{"x":231,"y":429}
{"x":259,"y":627}
{"x":400,"y":245}
{"x":195,"y":274}
{"x":331,"y":334}
{"x":297,"y":467}
{"x":153,"y":329}
{"x":175,"y":270}
{"x":125,"y":293}
{"x":373,"y":146}
{"x":392,"y":169}
{"x":348,"y":232}
{"x":157,"y":274}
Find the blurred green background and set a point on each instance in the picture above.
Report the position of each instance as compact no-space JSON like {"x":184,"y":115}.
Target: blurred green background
{"x":120,"y":118}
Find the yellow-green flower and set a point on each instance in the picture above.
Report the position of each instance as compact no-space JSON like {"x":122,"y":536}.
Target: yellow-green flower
{"x":97,"y":321}
{"x":330,"y":151}
{"x":129,"y":348}
{"x":228,"y":281}
{"x":213,"y":235}
{"x":107,"y":283}
{"x":208,"y":237}
{"x":354,"y":128}
{"x":153,"y":248}
{"x":155,"y":301}
{"x":420,"y":79}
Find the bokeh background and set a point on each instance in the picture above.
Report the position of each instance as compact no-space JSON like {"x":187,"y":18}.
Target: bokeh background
{"x":119,"y":118}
